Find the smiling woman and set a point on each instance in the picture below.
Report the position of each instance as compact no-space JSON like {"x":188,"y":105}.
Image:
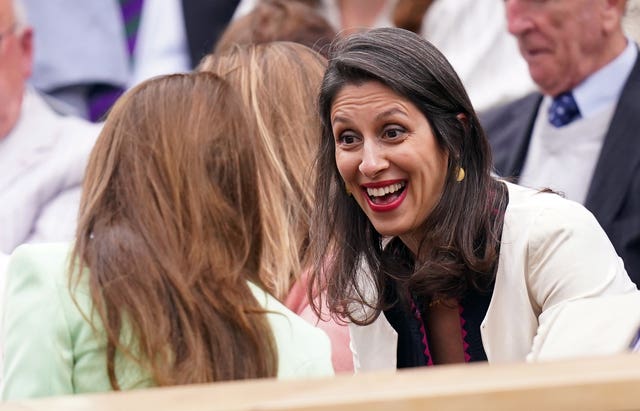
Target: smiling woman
{"x":378,"y":132}
{"x":434,"y":260}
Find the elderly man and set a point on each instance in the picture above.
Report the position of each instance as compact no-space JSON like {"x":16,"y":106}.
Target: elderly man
{"x":580,"y":135}
{"x":42,"y":154}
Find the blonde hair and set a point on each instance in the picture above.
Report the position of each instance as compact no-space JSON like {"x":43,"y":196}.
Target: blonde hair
{"x":279,"y":83}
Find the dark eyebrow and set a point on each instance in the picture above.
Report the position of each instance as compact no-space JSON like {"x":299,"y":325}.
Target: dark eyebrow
{"x":339,"y":119}
{"x":383,"y":115}
{"x":390,"y":113}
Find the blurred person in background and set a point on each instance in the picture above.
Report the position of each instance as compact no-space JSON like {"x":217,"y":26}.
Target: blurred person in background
{"x":42,"y":153}
{"x":89,"y":52}
{"x":279,"y":20}
{"x":578,"y":134}
{"x":279,"y":83}
{"x":472,"y":35}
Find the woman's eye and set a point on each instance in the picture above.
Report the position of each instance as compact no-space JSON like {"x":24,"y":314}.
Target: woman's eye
{"x":347,"y":139}
{"x":393,"y":133}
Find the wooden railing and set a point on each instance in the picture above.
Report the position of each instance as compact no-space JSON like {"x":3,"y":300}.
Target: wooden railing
{"x":611,"y":383}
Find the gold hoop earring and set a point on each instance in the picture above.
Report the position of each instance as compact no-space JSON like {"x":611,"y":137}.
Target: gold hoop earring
{"x":460,"y":175}
{"x":347,"y":190}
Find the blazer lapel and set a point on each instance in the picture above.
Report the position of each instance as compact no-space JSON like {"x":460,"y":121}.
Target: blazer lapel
{"x":508,"y":129}
{"x":522,"y":131}
{"x":620,"y":154}
{"x":27,"y":144}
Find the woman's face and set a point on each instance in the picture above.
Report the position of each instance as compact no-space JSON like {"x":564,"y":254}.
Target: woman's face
{"x":388,"y":157}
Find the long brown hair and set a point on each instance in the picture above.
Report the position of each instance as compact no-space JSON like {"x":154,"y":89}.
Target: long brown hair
{"x":168,"y":230}
{"x":279,"y":83}
{"x":458,"y":250}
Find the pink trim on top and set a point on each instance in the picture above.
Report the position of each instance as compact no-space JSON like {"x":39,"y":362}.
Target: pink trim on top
{"x":463,"y":332}
{"x":423,"y":331}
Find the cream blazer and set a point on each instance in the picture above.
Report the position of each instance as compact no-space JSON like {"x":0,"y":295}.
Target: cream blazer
{"x":553,"y":251}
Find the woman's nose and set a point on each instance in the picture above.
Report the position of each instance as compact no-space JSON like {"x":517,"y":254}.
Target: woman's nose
{"x":373,"y":160}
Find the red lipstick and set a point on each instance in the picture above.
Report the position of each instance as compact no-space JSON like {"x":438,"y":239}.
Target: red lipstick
{"x":390,"y":206}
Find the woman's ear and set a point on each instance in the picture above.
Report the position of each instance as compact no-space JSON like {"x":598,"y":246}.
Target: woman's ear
{"x":464,"y":120}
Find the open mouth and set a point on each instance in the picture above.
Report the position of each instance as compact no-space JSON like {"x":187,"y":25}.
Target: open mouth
{"x":387,"y":194}
{"x":386,"y":197}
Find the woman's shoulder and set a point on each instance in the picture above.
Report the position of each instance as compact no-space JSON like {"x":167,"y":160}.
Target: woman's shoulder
{"x":285,"y":323}
{"x":559,"y":236}
{"x":49,"y":261}
{"x":540,"y":221}
{"x":35,"y":251}
{"x":38,"y":301}
{"x":526,"y":204}
{"x":43,"y":270}
{"x":303,"y":350}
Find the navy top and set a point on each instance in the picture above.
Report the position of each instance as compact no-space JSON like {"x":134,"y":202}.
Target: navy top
{"x":413,"y":344}
{"x":406,"y":318}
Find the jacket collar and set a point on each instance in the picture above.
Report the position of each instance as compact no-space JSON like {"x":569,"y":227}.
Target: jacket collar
{"x":620,"y":154}
{"x":29,"y":141}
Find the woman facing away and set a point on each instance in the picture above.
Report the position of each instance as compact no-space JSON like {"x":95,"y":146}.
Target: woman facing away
{"x":162,"y":285}
{"x":279,"y":84}
{"x":436,"y":261}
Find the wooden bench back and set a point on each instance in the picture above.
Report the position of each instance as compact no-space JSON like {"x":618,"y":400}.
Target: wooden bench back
{"x":611,"y":383}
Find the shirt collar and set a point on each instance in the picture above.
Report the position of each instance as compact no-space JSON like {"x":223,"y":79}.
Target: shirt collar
{"x":603,"y":88}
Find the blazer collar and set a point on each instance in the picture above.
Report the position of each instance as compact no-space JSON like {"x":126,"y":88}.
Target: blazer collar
{"x":521,"y":132}
{"x":29,"y":141}
{"x":620,"y":154}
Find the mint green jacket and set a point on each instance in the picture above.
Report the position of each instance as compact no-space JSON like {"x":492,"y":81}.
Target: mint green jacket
{"x":51,"y":349}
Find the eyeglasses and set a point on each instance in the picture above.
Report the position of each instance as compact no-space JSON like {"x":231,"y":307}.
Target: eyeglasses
{"x":7,"y":32}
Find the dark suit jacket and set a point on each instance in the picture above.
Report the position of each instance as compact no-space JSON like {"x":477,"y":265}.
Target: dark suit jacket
{"x":205,"y":20}
{"x":614,"y":192}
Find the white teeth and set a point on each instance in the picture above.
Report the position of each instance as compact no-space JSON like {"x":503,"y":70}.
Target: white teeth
{"x":381,"y":191}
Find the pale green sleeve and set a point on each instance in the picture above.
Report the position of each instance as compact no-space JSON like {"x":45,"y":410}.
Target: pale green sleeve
{"x":38,"y":350}
{"x":318,"y":362}
{"x":303,"y":350}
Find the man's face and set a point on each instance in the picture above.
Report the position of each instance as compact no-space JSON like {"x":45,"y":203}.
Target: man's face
{"x":15,"y":66}
{"x":562,"y":41}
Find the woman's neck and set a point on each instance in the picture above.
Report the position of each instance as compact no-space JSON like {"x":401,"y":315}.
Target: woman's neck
{"x":413,"y":243}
